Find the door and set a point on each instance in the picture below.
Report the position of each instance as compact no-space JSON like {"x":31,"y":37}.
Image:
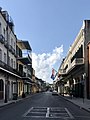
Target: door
{"x":1,"y":89}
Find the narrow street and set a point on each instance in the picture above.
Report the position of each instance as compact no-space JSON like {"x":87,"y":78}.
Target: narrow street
{"x":43,"y":106}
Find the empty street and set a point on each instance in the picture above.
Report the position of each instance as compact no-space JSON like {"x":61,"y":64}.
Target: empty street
{"x":43,"y":106}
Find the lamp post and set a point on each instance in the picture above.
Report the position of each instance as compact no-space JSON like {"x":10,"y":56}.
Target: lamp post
{"x":6,"y":83}
{"x":83,"y":83}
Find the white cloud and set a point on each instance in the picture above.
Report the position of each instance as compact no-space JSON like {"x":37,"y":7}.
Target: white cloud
{"x":43,"y":63}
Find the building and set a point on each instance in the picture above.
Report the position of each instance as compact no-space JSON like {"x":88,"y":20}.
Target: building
{"x":24,"y":67}
{"x":73,"y":73}
{"x":15,"y":61}
{"x":8,"y":73}
{"x":34,"y":87}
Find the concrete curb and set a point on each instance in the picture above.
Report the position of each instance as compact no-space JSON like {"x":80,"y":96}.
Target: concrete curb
{"x":81,"y":107}
{"x":7,"y":104}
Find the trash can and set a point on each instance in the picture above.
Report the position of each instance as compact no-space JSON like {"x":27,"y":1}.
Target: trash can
{"x":23,"y":95}
{"x":14,"y":96}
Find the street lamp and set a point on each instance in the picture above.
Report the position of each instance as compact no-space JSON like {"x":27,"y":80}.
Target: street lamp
{"x":6,"y":84}
{"x":5,"y":100}
{"x":83,"y":83}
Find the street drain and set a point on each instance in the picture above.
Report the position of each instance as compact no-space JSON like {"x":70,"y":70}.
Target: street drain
{"x":48,"y":112}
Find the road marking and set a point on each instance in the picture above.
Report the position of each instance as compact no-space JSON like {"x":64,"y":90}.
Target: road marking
{"x":69,"y":113}
{"x":48,"y":112}
{"x":24,"y":115}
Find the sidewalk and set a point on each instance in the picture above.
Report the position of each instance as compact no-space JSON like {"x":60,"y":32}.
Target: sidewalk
{"x":82,"y":103}
{"x":2,"y":104}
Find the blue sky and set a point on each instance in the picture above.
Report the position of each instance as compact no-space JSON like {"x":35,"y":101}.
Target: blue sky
{"x":49,"y":25}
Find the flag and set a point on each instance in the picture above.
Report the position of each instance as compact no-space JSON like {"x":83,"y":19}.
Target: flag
{"x":53,"y":74}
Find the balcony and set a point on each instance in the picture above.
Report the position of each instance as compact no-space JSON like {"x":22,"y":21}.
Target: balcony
{"x":29,"y":75}
{"x":25,"y":60}
{"x":24,"y":45}
{"x":24,"y":52}
{"x":77,"y":61}
{"x":62,"y":71}
{"x":8,"y":68}
{"x":2,"y":39}
{"x":30,"y":59}
{"x":26,"y":75}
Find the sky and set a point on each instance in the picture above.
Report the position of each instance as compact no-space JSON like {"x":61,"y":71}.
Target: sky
{"x":50,"y":26}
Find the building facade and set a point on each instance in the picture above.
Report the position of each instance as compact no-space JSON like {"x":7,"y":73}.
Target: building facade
{"x":73,"y":73}
{"x":15,"y":61}
{"x":24,"y":67}
{"x":8,"y":74}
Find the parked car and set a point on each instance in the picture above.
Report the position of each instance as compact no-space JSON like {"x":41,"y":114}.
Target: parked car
{"x":54,"y":92}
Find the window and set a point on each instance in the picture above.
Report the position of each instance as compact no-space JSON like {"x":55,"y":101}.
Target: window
{"x":4,"y":32}
{"x":0,"y":54}
{"x":5,"y":57}
{"x":14,"y":46}
{"x":12,"y":63}
{"x":12,"y":42}
{"x":9,"y":61}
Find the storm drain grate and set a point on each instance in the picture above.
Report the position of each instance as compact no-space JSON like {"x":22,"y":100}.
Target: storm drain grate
{"x":48,"y":112}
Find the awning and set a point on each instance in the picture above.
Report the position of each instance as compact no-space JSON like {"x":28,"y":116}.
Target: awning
{"x":24,"y":44}
{"x":10,"y":72}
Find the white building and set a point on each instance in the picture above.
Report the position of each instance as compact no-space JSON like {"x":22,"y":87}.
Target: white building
{"x":74,"y":69}
{"x":8,"y":74}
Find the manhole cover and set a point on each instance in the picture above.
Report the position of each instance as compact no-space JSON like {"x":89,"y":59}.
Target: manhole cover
{"x":48,"y":112}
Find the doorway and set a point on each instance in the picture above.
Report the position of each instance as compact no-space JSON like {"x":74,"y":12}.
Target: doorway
{"x":1,"y":89}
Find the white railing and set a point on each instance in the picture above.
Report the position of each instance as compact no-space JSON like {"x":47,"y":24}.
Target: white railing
{"x":62,"y":71}
{"x":76,"y":61}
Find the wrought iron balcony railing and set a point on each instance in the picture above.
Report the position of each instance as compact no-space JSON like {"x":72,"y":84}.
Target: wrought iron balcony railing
{"x":8,"y":68}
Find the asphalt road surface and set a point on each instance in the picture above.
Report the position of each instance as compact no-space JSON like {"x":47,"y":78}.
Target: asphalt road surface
{"x":43,"y":106}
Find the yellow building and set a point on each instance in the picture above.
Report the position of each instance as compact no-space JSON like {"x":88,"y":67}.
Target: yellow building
{"x":24,"y":67}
